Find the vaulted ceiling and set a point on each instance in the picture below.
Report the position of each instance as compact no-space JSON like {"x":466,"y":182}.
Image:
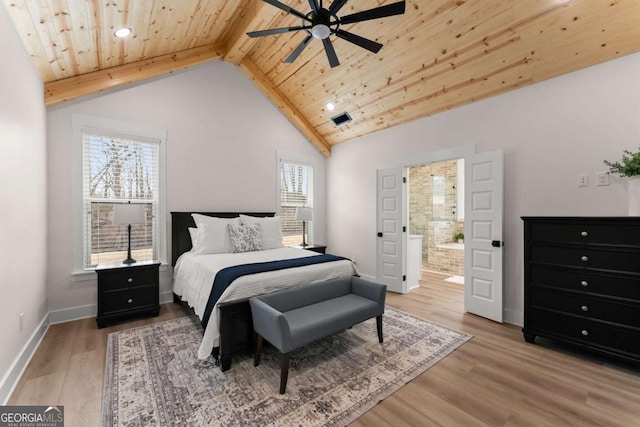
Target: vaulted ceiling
{"x":439,"y":55}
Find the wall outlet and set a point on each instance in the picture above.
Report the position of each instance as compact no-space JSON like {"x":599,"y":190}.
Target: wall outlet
{"x":602,"y":178}
{"x":21,"y":321}
{"x":583,"y":180}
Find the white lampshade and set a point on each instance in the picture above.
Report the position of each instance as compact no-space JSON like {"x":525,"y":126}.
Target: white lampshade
{"x":304,"y":214}
{"x":128,"y":213}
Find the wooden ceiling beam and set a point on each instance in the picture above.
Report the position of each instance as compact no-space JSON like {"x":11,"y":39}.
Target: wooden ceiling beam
{"x":59,"y":91}
{"x":285,"y":107}
{"x":257,"y":16}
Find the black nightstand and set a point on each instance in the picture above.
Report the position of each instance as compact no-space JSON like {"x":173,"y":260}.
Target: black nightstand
{"x":316,"y":248}
{"x":126,"y":291}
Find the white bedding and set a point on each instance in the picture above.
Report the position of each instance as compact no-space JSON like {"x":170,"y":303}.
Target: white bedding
{"x":193,"y":279}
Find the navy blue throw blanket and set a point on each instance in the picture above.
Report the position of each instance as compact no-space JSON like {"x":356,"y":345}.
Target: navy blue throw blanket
{"x":227,"y":275}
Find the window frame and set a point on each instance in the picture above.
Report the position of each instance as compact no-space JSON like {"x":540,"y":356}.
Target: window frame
{"x":124,"y":129}
{"x":318,"y":178}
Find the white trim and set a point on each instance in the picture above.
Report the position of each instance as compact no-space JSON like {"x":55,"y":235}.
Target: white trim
{"x":80,"y":121}
{"x":514,"y":317}
{"x":13,"y":375}
{"x":319,"y":205}
{"x":166,"y":297}
{"x":15,"y":372}
{"x":74,"y":313}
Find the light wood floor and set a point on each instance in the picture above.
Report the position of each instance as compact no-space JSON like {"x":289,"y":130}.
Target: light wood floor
{"x":495,"y":379}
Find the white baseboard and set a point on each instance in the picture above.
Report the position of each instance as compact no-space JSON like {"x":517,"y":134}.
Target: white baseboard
{"x":74,"y":313}
{"x":166,"y":297}
{"x":515,"y":317}
{"x":16,"y":370}
{"x":51,"y":318}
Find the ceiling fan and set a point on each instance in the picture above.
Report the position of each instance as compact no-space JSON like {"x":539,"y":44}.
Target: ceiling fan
{"x":321,"y":22}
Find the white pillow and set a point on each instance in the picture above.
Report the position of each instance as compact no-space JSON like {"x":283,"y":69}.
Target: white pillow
{"x":193,"y":232}
{"x":213,"y":235}
{"x":271,"y":230}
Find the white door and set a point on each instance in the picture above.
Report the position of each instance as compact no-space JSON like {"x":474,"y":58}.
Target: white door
{"x":483,"y":235}
{"x":391,"y":224}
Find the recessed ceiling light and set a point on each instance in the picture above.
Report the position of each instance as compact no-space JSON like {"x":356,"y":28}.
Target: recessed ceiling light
{"x":122,"y":32}
{"x":330,"y":106}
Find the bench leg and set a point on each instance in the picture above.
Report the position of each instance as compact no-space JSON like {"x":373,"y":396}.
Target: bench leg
{"x":256,"y":359}
{"x":284,"y":372}
{"x":379,"y":326}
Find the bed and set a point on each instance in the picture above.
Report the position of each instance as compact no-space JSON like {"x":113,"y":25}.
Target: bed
{"x":229,"y":331}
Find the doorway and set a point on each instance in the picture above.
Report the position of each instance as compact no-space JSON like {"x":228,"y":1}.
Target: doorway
{"x":436,"y":220}
{"x":482,"y":222}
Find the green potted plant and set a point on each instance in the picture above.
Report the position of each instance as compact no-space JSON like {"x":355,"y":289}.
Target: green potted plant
{"x":629,"y":166}
{"x":459,"y":237}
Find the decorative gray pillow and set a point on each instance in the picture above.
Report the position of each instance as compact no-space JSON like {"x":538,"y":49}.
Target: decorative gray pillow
{"x":245,"y":238}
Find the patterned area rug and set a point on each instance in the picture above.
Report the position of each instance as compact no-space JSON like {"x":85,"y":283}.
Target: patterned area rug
{"x":153,"y":377}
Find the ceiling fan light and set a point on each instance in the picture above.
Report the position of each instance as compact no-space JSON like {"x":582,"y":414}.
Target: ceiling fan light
{"x":320,"y":31}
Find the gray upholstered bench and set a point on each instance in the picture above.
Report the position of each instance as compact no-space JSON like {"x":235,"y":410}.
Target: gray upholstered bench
{"x":295,"y":317}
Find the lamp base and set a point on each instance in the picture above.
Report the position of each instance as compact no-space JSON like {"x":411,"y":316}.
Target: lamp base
{"x":129,"y":261}
{"x":303,"y":245}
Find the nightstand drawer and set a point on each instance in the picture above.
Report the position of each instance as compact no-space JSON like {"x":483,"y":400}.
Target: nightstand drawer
{"x":129,"y":299}
{"x":124,"y":279}
{"x":128,"y":290}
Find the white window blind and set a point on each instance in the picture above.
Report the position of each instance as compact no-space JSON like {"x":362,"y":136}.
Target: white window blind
{"x":296,"y":190}
{"x":118,"y":169}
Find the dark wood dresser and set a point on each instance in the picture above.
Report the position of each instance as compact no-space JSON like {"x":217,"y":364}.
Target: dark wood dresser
{"x":126,"y":291}
{"x":582,"y":283}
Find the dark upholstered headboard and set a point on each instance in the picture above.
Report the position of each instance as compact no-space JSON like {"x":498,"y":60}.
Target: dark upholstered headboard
{"x":181,"y":221}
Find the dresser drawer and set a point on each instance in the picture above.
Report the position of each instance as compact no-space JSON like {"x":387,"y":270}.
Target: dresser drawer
{"x":591,"y":283}
{"x":616,"y":260}
{"x":611,"y":339}
{"x":124,"y":279}
{"x":128,"y":300}
{"x":595,"y":308}
{"x":608,"y":234}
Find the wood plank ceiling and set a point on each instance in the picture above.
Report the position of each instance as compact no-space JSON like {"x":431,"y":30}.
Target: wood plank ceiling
{"x":439,"y":55}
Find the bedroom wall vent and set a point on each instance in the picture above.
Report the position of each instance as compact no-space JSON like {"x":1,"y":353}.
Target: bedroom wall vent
{"x":341,"y":118}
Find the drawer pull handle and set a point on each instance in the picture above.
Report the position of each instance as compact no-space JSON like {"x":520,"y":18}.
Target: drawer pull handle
{"x":129,"y":280}
{"x":584,"y":283}
{"x":585,"y":332}
{"x":129,"y":300}
{"x":584,"y":308}
{"x":584,"y":234}
{"x":584,"y":258}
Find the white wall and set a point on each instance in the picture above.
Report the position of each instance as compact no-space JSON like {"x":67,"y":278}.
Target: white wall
{"x":23,"y":197}
{"x":223,"y":135}
{"x":549,"y":132}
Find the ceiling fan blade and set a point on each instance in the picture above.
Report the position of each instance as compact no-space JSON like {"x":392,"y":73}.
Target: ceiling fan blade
{"x":376,"y":13}
{"x":336,"y":6}
{"x":370,"y":45}
{"x":331,"y":53}
{"x":275,"y":31}
{"x":287,"y":9}
{"x":314,"y":5}
{"x":294,"y":55}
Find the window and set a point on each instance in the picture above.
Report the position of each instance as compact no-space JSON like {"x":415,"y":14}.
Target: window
{"x":117,"y":163}
{"x":296,"y":190}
